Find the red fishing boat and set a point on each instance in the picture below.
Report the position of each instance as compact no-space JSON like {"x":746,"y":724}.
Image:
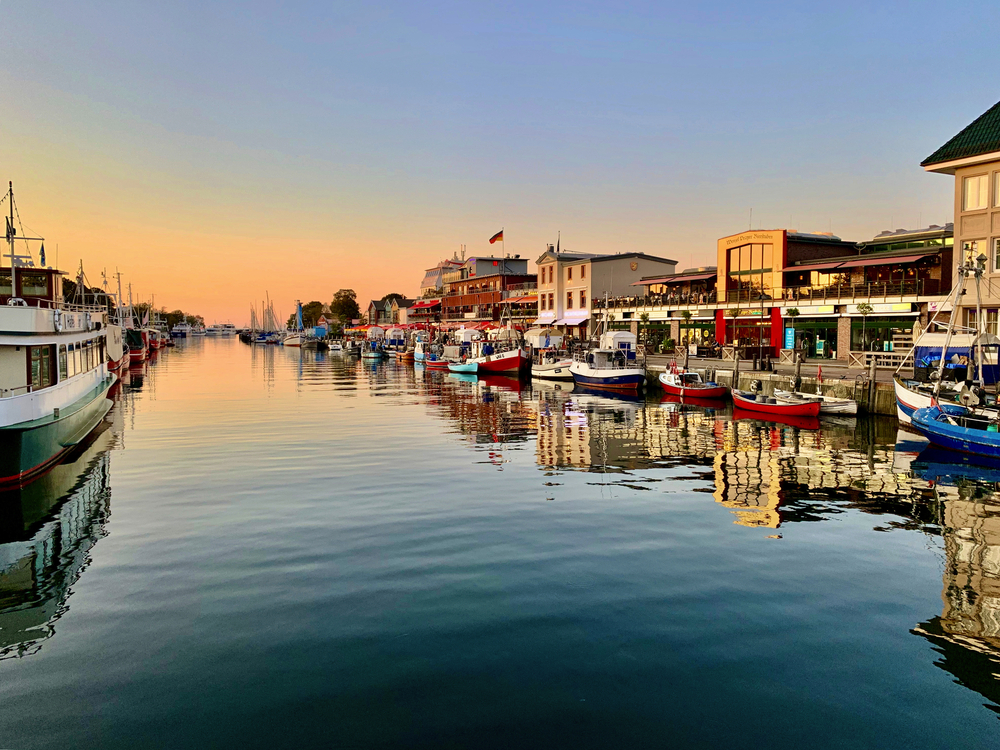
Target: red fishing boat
{"x":436,"y":364}
{"x":758,"y":402}
{"x":510,"y":362}
{"x":686,"y":384}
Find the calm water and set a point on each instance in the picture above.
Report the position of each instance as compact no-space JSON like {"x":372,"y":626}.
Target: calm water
{"x":268,"y":548}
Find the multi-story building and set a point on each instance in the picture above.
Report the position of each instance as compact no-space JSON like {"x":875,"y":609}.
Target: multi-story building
{"x":569,"y":283}
{"x":776,"y":290}
{"x":481,"y":288}
{"x":379,"y":312}
{"x":973,"y":158}
{"x":433,"y":281}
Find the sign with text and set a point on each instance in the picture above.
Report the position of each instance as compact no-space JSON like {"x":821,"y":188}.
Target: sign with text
{"x":789,"y":338}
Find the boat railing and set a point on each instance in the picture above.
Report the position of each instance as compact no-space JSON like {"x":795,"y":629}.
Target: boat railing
{"x":8,"y":392}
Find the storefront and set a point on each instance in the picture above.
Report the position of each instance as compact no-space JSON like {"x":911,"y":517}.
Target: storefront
{"x":881,"y":334}
{"x":816,"y":337}
{"x":699,"y":332}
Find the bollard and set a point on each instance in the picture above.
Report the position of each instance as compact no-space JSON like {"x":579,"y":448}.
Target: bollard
{"x":797,"y":380}
{"x":871,"y":385}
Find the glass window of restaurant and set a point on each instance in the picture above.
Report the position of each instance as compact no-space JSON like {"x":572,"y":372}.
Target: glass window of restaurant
{"x":697,"y":332}
{"x":879,"y":334}
{"x":750,"y":276}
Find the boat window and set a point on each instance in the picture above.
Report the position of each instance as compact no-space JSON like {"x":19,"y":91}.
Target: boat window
{"x":63,"y":372}
{"x":41,"y":367}
{"x":5,"y":288}
{"x":34,"y":284}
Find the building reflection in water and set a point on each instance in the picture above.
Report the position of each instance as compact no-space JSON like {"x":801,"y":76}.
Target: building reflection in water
{"x":47,"y":530}
{"x":967,"y":634}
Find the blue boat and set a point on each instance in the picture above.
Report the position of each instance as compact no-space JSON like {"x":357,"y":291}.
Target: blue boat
{"x":960,"y":429}
{"x":465,"y":367}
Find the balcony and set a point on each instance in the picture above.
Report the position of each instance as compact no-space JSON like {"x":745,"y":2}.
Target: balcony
{"x":656,"y":300}
{"x":875,"y":290}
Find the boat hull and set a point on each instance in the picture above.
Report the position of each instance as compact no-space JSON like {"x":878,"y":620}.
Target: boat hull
{"x":716,"y":392}
{"x":29,"y":449}
{"x":955,"y":437}
{"x":808,"y":409}
{"x":553,"y":371}
{"x":623,"y":380}
{"x":514,"y":361}
{"x":466,"y":367}
{"x":436,"y":364}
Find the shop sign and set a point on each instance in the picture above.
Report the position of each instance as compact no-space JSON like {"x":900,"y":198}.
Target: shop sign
{"x":812,"y":310}
{"x":789,"y":338}
{"x":936,"y":306}
{"x":884,"y":307}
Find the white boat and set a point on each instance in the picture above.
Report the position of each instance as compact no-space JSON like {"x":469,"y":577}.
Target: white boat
{"x":613,"y":365}
{"x":54,"y":381}
{"x":828,"y":404}
{"x":336,"y":347}
{"x":180,"y":331}
{"x":293,"y":339}
{"x":552,"y":369}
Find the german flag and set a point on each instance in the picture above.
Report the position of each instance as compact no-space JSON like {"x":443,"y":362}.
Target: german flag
{"x":498,"y":237}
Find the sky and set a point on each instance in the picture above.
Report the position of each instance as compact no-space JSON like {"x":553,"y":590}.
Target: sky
{"x":213,"y":152}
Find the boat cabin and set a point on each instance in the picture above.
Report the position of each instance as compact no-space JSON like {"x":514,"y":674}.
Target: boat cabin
{"x":624,"y":341}
{"x":38,"y":287}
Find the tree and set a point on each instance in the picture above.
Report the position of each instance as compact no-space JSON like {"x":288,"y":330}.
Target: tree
{"x":864,"y":310}
{"x":345,"y":305}
{"x":310,"y":314}
{"x":393,"y":296}
{"x":686,"y":315}
{"x":175,"y":318}
{"x":644,"y":322}
{"x":793,"y":313}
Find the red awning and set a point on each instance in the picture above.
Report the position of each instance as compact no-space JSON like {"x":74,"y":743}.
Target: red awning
{"x":526,"y":298}
{"x":675,"y":279}
{"x":426,"y":303}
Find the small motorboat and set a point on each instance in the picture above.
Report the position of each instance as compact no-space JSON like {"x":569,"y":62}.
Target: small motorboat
{"x":552,"y":369}
{"x":466,"y":367}
{"x":959,"y":428}
{"x":827,"y":404}
{"x":685,"y":384}
{"x":433,"y":362}
{"x":336,"y":346}
{"x":758,"y":402}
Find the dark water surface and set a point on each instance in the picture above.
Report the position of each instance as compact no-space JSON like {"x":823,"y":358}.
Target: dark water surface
{"x":269,"y":548}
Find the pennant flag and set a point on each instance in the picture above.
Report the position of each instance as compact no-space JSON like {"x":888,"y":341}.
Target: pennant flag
{"x":42,"y":253}
{"x":145,"y":319}
{"x":498,"y":237}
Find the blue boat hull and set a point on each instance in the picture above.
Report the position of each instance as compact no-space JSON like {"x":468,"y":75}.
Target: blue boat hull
{"x":955,"y":437}
{"x":613,"y":382}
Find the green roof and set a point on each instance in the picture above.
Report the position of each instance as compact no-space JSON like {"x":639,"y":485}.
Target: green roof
{"x":980,"y":137}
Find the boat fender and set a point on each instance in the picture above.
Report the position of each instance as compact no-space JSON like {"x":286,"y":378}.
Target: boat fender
{"x":57,"y":320}
{"x":756,"y":386}
{"x":87,"y":318}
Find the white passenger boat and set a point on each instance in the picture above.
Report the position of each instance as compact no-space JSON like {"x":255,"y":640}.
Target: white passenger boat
{"x":54,"y":378}
{"x":613,"y":365}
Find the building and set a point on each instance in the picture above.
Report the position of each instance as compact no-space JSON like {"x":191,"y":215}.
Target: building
{"x":379,"y":312}
{"x":433,"y":281}
{"x":783,"y":290}
{"x":398,"y":310}
{"x":973,"y":158}
{"x":482,"y":288}
{"x":570,"y":283}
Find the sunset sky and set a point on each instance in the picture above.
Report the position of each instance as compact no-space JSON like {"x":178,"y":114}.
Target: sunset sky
{"x":214,"y":151}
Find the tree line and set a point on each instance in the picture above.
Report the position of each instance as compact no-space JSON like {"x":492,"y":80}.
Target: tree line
{"x":92,"y":295}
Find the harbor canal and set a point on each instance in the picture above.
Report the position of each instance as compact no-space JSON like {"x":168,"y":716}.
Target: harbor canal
{"x":268,"y":547}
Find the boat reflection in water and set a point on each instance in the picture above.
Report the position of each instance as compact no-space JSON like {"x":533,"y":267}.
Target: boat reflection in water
{"x":967,"y":633}
{"x":47,"y":530}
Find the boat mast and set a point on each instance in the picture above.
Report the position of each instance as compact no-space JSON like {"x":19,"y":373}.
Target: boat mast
{"x":956,"y":292}
{"x":10,"y":239}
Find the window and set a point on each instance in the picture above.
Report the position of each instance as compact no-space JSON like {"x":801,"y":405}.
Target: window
{"x":541,"y":301}
{"x":569,"y":273}
{"x":583,"y":299}
{"x":41,"y":367}
{"x":34,"y":284}
{"x":569,"y":300}
{"x":63,"y":371}
{"x":583,"y":272}
{"x":996,"y":188}
{"x":974,"y":192}
{"x":996,"y":256}
{"x":5,"y":283}
{"x":552,"y":301}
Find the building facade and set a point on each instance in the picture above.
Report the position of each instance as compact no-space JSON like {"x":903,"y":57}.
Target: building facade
{"x":972,"y":157}
{"x":569,"y":285}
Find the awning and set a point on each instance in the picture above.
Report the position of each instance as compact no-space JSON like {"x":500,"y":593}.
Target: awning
{"x":886,"y":261}
{"x":675,"y":279}
{"x":572,"y":321}
{"x":546,"y":319}
{"x":526,"y":298}
{"x":818,"y":266}
{"x":426,"y":303}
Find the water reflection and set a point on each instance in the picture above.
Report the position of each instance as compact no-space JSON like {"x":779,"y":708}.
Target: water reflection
{"x":47,"y":530}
